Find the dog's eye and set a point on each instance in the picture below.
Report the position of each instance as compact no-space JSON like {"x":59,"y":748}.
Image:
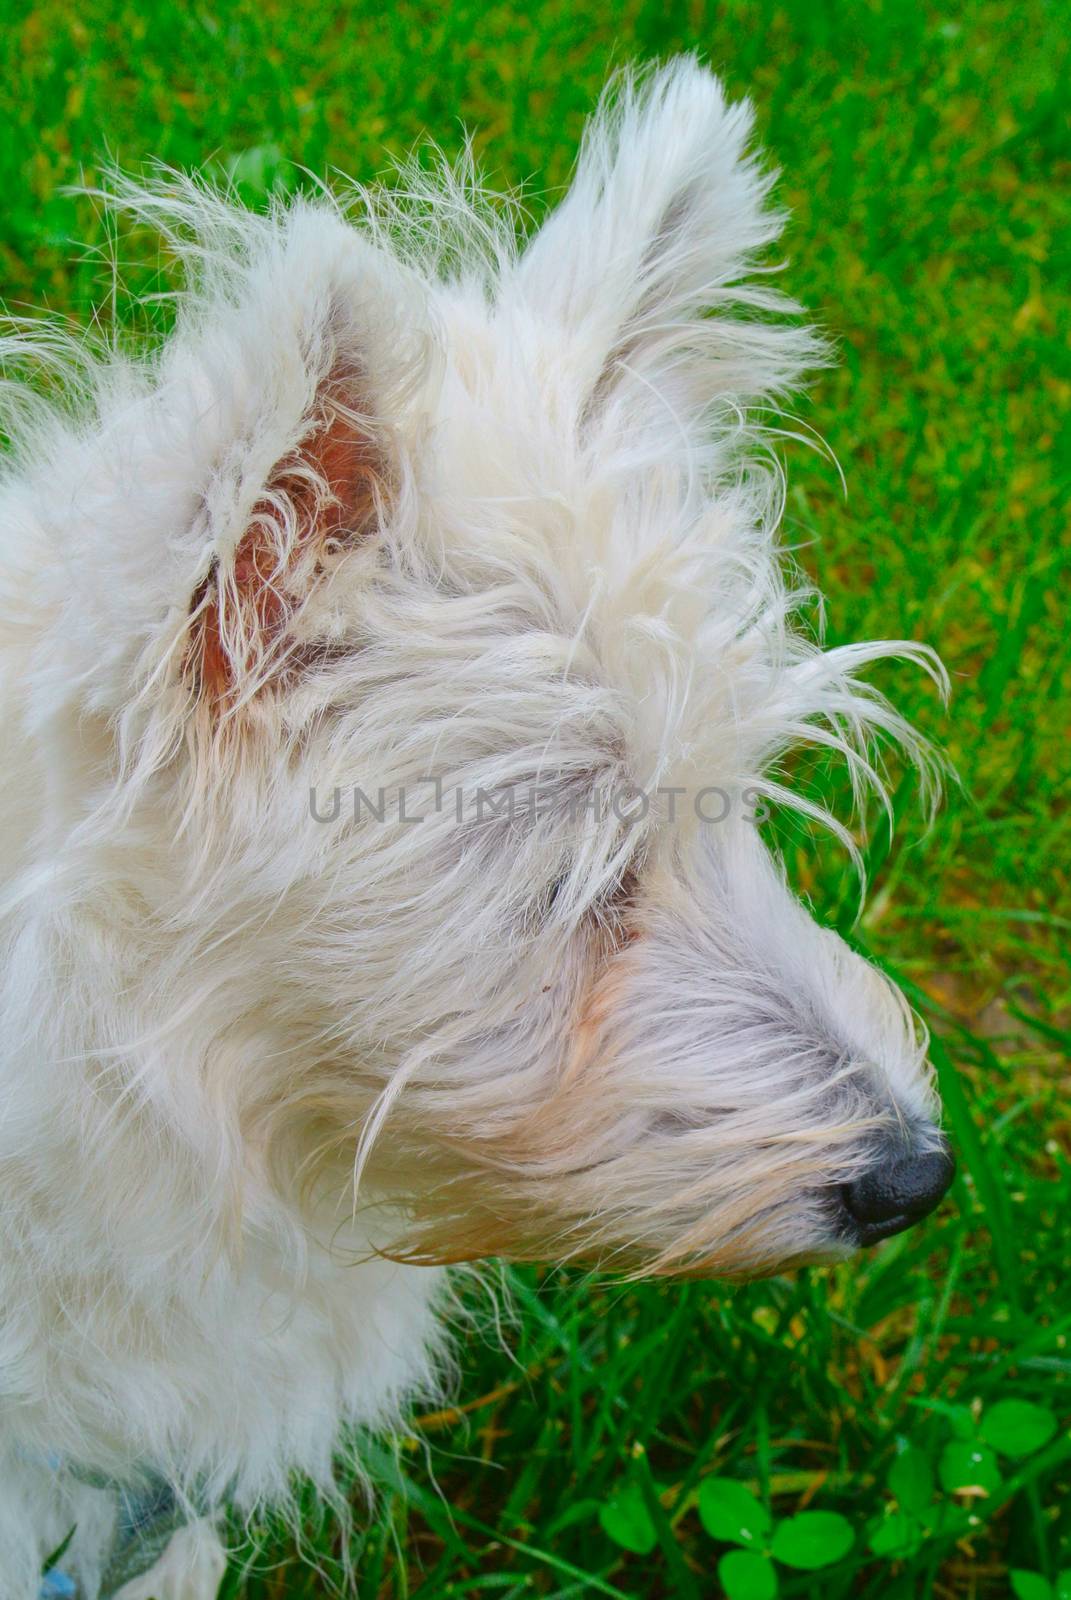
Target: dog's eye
{"x":610,"y":907}
{"x":554,"y":894}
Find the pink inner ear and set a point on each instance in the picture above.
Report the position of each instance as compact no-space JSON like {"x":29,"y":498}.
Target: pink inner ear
{"x":331,"y":484}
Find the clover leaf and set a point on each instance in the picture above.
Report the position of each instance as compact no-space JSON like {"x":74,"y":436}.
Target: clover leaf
{"x":812,"y":1539}
{"x":1033,"y":1586}
{"x":911,"y":1481}
{"x":729,"y":1511}
{"x":626,"y":1520}
{"x":1017,"y":1427}
{"x":895,"y":1536}
{"x":967,"y":1464}
{"x":746,"y":1575}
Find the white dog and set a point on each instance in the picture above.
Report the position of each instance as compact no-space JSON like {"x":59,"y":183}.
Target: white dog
{"x":394,"y":664}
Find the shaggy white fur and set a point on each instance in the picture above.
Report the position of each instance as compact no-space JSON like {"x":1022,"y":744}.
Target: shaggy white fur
{"x":487,"y":531}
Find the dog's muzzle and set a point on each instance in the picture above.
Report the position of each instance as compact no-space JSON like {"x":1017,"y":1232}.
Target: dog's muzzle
{"x":903,"y":1185}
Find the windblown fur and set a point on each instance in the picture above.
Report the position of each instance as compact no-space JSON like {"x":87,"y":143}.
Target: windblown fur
{"x":403,"y":499}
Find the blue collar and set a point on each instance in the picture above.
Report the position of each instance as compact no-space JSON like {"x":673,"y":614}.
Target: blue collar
{"x":148,"y":1516}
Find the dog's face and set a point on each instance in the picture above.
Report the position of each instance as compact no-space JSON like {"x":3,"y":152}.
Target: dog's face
{"x":450,"y":655}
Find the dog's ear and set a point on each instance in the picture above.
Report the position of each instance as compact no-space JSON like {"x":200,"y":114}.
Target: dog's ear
{"x":210,"y":515}
{"x":324,"y":496}
{"x":665,"y":215}
{"x":305,"y":363}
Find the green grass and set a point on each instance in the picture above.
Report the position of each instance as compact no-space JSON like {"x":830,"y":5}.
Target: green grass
{"x":926,"y":158}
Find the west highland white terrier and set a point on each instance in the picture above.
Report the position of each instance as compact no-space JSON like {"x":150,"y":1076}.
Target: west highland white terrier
{"x":396,"y":664}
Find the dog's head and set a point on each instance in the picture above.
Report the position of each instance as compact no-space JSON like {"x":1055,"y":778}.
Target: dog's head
{"x":425,"y":589}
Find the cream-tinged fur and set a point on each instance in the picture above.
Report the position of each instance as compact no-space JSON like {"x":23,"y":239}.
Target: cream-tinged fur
{"x":402,"y":498}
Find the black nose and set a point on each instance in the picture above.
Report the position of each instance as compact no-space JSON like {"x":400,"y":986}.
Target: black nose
{"x":900,"y":1188}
